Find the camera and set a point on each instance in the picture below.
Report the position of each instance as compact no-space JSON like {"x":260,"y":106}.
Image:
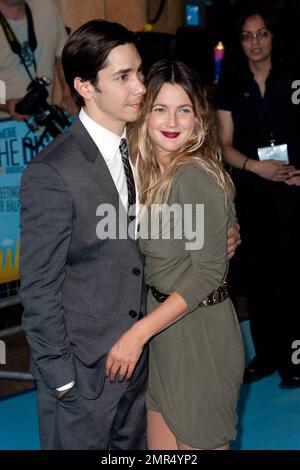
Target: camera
{"x":52,"y":117}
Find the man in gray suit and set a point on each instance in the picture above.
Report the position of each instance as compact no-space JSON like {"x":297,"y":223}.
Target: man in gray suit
{"x":81,"y":292}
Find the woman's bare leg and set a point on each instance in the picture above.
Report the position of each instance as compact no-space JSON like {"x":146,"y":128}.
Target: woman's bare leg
{"x":161,"y":438}
{"x":158,"y":433}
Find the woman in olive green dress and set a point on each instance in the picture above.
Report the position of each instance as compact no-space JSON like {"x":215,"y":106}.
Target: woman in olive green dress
{"x":196,"y":351}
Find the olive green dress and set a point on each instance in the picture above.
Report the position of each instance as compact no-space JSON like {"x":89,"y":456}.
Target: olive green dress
{"x":196,"y":365}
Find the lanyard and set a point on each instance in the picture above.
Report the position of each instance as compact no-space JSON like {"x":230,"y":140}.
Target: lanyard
{"x":13,"y":41}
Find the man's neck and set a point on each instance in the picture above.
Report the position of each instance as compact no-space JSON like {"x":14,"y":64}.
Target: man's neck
{"x":114,"y":126}
{"x":13,"y":12}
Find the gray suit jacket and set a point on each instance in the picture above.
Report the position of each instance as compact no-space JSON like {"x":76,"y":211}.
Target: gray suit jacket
{"x":79,"y":293}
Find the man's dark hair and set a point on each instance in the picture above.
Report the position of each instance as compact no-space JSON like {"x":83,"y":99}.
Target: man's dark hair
{"x":87,"y":49}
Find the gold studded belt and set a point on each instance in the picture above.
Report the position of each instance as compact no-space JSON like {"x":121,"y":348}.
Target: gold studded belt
{"x":216,"y":297}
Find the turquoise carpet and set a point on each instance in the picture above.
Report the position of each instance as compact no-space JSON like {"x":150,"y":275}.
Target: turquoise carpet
{"x":268,"y":416}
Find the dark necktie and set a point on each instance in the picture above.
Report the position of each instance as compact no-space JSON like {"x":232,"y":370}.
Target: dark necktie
{"x":128,"y":173}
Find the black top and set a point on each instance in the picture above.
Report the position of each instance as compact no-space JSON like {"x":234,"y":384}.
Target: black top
{"x":257,"y":119}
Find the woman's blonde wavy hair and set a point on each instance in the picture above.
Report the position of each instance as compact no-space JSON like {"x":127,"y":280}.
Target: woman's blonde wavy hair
{"x":202,"y":148}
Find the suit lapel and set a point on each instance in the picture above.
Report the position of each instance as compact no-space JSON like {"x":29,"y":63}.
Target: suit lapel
{"x":92,"y":154}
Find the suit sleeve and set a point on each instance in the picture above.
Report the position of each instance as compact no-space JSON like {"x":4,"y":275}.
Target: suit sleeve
{"x":208,"y":263}
{"x":46,"y":224}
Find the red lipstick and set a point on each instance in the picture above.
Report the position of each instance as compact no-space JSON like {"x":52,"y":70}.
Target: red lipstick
{"x":170,"y":135}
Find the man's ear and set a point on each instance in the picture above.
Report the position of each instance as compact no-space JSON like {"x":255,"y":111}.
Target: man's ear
{"x":84,"y":88}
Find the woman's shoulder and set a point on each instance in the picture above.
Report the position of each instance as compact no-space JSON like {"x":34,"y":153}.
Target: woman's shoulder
{"x":196,"y":168}
{"x":233,"y":83}
{"x":195,"y":175}
{"x":195,"y":185}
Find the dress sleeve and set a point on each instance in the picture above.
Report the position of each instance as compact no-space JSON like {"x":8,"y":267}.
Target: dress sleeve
{"x":208,"y":262}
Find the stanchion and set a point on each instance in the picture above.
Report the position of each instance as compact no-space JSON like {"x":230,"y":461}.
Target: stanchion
{"x":15,"y":375}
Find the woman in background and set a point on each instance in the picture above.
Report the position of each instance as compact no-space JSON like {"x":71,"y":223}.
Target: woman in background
{"x":256,"y":113}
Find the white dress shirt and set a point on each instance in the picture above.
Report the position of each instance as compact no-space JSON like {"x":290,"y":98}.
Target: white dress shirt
{"x":108,"y":145}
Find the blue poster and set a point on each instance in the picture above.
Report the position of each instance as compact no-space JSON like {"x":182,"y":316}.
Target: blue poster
{"x":15,"y":153}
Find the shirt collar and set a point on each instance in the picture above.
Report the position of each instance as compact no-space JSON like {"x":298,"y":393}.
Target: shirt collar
{"x":107,"y":142}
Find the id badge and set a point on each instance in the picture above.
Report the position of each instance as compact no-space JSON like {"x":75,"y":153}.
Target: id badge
{"x":275,"y":152}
